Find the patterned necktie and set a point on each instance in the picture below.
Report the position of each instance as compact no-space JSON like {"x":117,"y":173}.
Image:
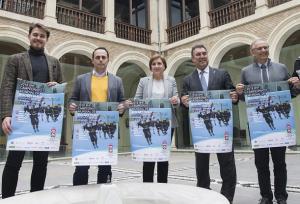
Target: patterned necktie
{"x":264,"y":73}
{"x":203,"y":81}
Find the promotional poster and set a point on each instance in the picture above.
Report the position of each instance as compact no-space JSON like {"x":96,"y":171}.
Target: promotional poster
{"x":95,"y":134}
{"x":270,"y":115}
{"x":37,"y":117}
{"x":211,"y":121}
{"x":150,"y":129}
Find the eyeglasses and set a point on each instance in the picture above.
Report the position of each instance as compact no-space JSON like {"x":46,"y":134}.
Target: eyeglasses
{"x":261,"y":48}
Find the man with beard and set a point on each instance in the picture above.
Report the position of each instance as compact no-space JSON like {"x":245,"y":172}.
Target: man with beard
{"x":32,"y":65}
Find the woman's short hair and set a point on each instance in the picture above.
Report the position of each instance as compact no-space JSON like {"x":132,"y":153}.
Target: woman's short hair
{"x":155,"y":57}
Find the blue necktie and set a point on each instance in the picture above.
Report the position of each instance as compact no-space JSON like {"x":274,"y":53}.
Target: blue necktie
{"x":264,"y":73}
{"x":203,"y":81}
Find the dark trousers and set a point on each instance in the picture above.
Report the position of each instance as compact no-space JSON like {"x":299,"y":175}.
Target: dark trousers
{"x":12,"y":167}
{"x":263,"y":171}
{"x":162,"y":169}
{"x":227,"y":171}
{"x":81,"y":175}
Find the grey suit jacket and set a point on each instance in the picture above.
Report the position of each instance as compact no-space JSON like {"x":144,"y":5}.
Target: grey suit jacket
{"x":219,"y":79}
{"x":82,"y":88}
{"x":252,"y":73}
{"x":277,"y":72}
{"x":144,"y":91}
{"x":19,"y":66}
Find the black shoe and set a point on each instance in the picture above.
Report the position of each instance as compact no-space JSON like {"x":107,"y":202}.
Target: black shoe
{"x":281,"y":201}
{"x":265,"y":201}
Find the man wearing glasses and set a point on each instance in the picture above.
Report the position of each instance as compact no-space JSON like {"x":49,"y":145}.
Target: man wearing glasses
{"x":262,"y":70}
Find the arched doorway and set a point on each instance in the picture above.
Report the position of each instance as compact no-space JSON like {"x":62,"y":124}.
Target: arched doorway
{"x":290,"y":51}
{"x":183,"y":135}
{"x":7,"y":49}
{"x":130,"y":73}
{"x":233,"y":61}
{"x":72,"y":65}
{"x":288,"y":54}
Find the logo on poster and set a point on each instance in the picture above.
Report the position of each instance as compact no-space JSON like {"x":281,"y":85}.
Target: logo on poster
{"x":164,"y":145}
{"x":53,"y":132}
{"x":110,"y":148}
{"x":226,"y":136}
{"x":289,"y":129}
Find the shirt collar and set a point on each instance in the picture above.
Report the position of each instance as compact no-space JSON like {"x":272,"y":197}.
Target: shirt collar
{"x":96,"y":74}
{"x":266,"y":64}
{"x":206,"y":70}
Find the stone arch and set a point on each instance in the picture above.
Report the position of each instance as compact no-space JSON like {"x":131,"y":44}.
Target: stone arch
{"x":176,"y":60}
{"x":133,"y":57}
{"x":281,"y":33}
{"x":227,"y":43}
{"x":14,"y":35}
{"x":74,"y":46}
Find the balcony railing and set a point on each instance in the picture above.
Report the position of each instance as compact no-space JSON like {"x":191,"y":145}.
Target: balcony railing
{"x":272,"y":3}
{"x":33,"y":8}
{"x":133,"y":33}
{"x":231,"y":12}
{"x":184,"y":30}
{"x":80,"y":19}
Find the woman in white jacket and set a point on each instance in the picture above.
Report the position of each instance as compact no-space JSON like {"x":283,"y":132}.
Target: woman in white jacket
{"x":158,"y":86}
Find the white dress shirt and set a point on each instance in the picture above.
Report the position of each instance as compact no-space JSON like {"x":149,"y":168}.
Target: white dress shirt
{"x":205,"y":74}
{"x":158,"y":88}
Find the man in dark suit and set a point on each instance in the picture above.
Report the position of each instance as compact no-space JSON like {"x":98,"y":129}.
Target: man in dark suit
{"x":97,"y":86}
{"x":33,"y":65}
{"x":202,"y":79}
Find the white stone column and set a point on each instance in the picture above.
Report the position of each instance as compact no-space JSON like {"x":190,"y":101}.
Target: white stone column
{"x":154,"y":21}
{"x":261,"y":5}
{"x":109,"y":13}
{"x":50,"y":11}
{"x":163,"y":21}
{"x":204,"y":8}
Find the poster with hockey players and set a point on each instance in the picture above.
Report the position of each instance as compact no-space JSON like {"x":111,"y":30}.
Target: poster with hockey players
{"x":150,"y":129}
{"x":95,"y":134}
{"x":270,"y":115}
{"x":37,"y":117}
{"x":211,"y":121}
